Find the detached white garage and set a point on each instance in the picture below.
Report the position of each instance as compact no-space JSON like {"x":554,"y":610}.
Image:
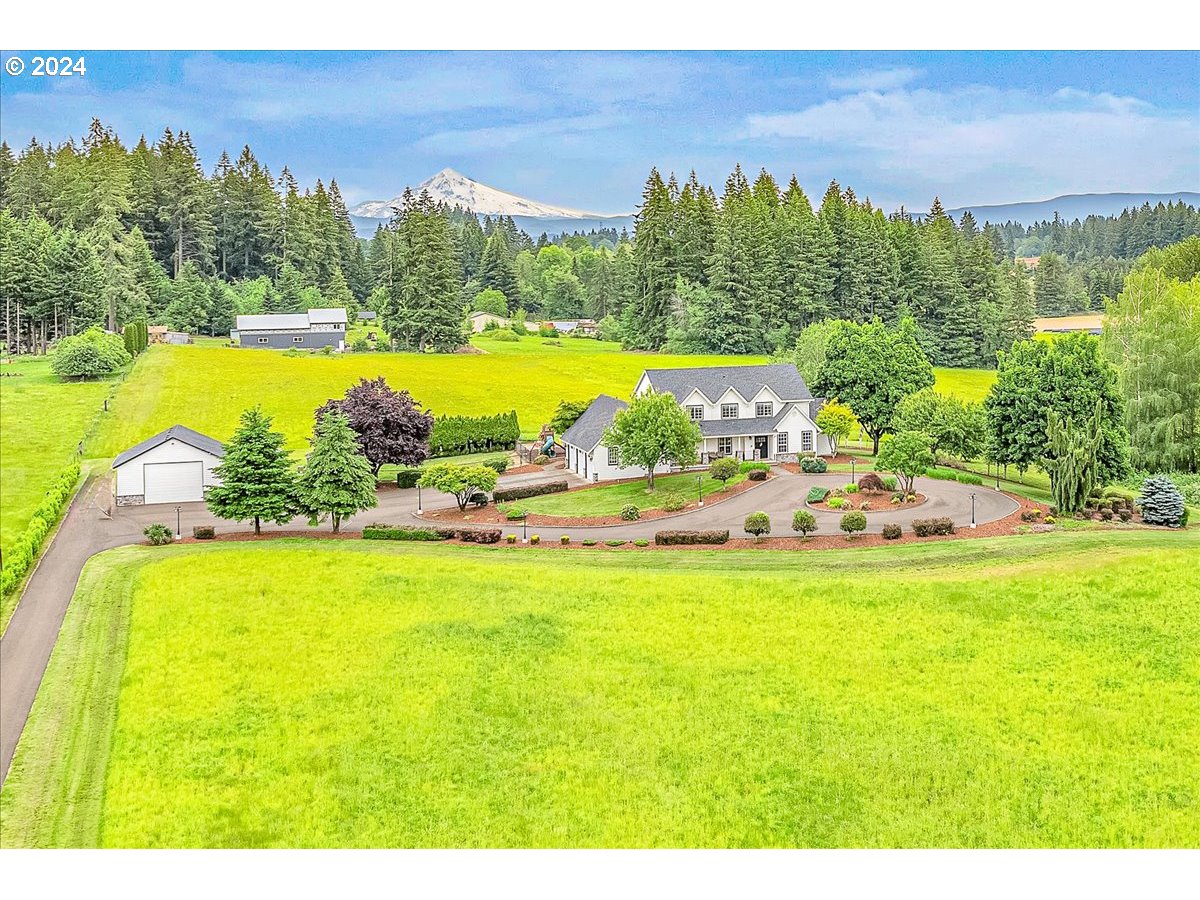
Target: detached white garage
{"x":174,"y":466}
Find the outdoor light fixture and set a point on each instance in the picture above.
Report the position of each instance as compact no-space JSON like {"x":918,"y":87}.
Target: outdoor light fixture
{"x":699,"y":490}
{"x":418,"y":498}
{"x":524,"y":536}
{"x":852,"y":462}
{"x":178,"y":528}
{"x":972,"y":509}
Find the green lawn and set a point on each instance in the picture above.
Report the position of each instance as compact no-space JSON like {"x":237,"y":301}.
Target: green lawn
{"x":42,"y":421}
{"x":1025,"y":691}
{"x":607,"y":500}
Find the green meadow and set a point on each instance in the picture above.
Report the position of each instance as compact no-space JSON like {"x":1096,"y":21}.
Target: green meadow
{"x":1029,"y":691}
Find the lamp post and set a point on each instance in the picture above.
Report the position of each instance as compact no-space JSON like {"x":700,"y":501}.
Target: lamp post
{"x":178,"y":522}
{"x":418,"y":498}
{"x":852,"y":462}
{"x":524,"y":535}
{"x":699,"y":490}
{"x":972,"y":509}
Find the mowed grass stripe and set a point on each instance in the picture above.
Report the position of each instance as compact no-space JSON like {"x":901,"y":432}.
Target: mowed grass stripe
{"x":1024,"y":692}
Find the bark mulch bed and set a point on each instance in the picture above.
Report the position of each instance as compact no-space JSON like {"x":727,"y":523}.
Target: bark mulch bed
{"x":492,"y":516}
{"x":840,"y":460}
{"x":881,"y":502}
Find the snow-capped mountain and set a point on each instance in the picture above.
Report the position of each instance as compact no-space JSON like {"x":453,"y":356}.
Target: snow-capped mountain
{"x":456,"y":189}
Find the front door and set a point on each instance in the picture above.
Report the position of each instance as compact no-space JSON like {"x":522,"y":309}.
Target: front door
{"x":762,"y":446}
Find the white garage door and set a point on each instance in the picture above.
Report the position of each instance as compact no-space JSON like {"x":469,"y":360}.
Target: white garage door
{"x":176,"y":482}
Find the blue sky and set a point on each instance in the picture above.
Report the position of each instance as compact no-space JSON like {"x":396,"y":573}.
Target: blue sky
{"x":583,"y":129}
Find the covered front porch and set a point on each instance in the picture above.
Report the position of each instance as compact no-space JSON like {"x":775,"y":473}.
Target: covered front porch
{"x":741,"y":446}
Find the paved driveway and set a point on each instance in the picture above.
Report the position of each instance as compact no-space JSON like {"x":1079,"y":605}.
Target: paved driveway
{"x":26,"y":646}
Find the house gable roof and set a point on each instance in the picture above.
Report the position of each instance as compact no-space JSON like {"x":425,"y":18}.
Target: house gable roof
{"x":175,"y":432}
{"x":713,"y":381}
{"x":589,"y":428}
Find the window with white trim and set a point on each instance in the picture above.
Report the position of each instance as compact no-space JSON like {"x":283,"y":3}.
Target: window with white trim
{"x":729,"y":410}
{"x":262,"y":340}
{"x":298,"y":340}
{"x":806,"y":441}
{"x":781,"y":442}
{"x":725,"y":446}
{"x":764,"y":409}
{"x":696,"y":413}
{"x":613,"y":457}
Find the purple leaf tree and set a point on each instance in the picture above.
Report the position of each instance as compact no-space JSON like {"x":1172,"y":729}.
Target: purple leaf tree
{"x":391,"y":426}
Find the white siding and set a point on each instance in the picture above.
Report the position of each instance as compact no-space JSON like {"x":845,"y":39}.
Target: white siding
{"x":130,"y":475}
{"x":594,"y":465}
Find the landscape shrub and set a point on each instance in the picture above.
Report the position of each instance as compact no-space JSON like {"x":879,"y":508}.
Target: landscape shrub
{"x":850,"y":488}
{"x":479,"y":535}
{"x":754,"y":466}
{"x":757,"y":524}
{"x":507,"y":495}
{"x":1161,"y":502}
{"x":500,"y":464}
{"x":929,"y":527}
{"x":158,"y":534}
{"x":641,"y":542}
{"x":511,"y":538}
{"x":360,"y":345}
{"x":541,"y":460}
{"x":21,"y":555}
{"x":1106,"y":514}
{"x":969,"y":478}
{"x":817,"y":494}
{"x":505,"y":336}
{"x":890,"y":482}
{"x":565,"y":539}
{"x":866,"y":504}
{"x":892,"y":531}
{"x":673,"y":503}
{"x":382,"y":532}
{"x":535,"y":539}
{"x":837,"y":502}
{"x":514,"y":514}
{"x":1050,"y":520}
{"x":89,"y":354}
{"x":804,"y":522}
{"x":853,"y":522}
{"x":203,"y":532}
{"x":588,"y":542}
{"x":871,"y":483}
{"x":813,"y":465}
{"x":454,"y":435}
{"x":408,"y":478}
{"x":1125,"y":514}
{"x":941,"y":474}
{"x":757,"y":475}
{"x":630,"y":513}
{"x":1121,"y":493}
{"x":616,"y":542}
{"x":1031,"y":515}
{"x":675,"y":538}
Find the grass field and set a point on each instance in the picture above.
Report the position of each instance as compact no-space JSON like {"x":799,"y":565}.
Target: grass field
{"x":608,"y":499}
{"x":1027,"y":691}
{"x":42,"y":421}
{"x":206,"y":388}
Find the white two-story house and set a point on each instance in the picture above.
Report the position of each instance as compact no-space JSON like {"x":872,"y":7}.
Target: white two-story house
{"x":747,"y":412}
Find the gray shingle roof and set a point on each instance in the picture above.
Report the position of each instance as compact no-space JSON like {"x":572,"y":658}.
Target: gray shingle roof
{"x":175,"y":432}
{"x":269,"y":321}
{"x":713,"y":381}
{"x":589,"y":428}
{"x":735,"y":427}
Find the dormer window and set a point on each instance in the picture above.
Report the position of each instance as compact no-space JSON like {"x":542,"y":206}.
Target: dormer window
{"x":729,"y":410}
{"x":762,"y":410}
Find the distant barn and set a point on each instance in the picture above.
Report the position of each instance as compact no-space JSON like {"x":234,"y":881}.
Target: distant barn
{"x":280,"y":331}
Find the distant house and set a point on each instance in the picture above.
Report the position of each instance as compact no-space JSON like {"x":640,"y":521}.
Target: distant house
{"x":480,"y":321}
{"x":1029,"y":262}
{"x":161,"y":334}
{"x":279,"y":331}
{"x":569,"y":326}
{"x":367,"y":315}
{"x":174,"y":466}
{"x":748,"y":412}
{"x":1092,"y":323}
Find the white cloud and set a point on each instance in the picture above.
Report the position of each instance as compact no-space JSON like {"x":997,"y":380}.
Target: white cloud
{"x":875,"y":79}
{"x":484,"y":140}
{"x":982,"y":144}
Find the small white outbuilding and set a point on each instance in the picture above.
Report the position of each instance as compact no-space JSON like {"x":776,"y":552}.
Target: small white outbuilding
{"x":174,"y":466}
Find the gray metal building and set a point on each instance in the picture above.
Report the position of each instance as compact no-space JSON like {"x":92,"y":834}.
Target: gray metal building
{"x":280,"y":331}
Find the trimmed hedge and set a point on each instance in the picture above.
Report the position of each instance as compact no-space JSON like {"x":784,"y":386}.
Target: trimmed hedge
{"x":408,"y":478}
{"x":942,"y":474}
{"x":813,"y":465}
{"x":757,"y":475}
{"x":928,"y":527}
{"x":453,"y":435}
{"x":21,"y":555}
{"x":747,"y":467}
{"x":203,"y":532}
{"x":393,"y":533}
{"x":500,"y":464}
{"x":969,"y":478}
{"x":480,"y":536}
{"x":529,"y":490}
{"x":674,"y":538}
{"x":891,"y":532}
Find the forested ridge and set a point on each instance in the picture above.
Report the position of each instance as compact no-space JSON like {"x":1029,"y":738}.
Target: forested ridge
{"x":96,"y":232}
